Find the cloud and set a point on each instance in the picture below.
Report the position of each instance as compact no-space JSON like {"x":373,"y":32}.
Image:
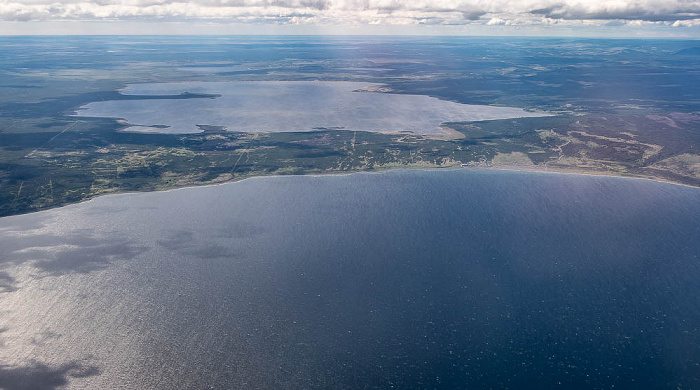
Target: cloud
{"x":496,"y":22}
{"x":390,"y":12}
{"x":650,"y":10}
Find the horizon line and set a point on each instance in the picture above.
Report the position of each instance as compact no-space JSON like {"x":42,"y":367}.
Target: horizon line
{"x":338,"y":35}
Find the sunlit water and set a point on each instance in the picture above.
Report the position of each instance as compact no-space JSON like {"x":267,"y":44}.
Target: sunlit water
{"x":282,"y":106}
{"x":411,"y":279}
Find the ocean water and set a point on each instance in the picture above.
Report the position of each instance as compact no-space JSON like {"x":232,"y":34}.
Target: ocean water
{"x":405,"y":279}
{"x":284,"y":106}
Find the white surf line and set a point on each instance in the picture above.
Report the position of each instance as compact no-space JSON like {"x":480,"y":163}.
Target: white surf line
{"x":52,"y":138}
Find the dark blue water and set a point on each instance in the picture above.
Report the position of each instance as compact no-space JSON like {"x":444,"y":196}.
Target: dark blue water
{"x":413,"y":279}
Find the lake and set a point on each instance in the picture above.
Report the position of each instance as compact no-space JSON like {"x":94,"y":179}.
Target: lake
{"x":405,"y":279}
{"x":288,"y":106}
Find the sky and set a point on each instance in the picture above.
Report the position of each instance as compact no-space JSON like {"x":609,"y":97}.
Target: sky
{"x":623,"y":18}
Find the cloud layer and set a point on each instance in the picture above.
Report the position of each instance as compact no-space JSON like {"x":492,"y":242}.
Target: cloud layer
{"x":389,"y":12}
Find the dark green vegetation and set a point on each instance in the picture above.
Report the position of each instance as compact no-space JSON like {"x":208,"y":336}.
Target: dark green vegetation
{"x":623,"y":107}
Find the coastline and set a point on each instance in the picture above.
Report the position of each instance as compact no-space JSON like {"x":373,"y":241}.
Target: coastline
{"x":376,"y":170}
{"x":565,"y":171}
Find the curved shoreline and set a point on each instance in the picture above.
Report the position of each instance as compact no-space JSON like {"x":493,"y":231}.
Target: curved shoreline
{"x":586,"y":173}
{"x":379,"y":170}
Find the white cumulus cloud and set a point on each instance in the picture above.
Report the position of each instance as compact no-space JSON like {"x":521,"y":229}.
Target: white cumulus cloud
{"x":681,"y":13}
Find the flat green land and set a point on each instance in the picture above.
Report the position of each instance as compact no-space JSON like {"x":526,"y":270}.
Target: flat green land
{"x":48,"y":163}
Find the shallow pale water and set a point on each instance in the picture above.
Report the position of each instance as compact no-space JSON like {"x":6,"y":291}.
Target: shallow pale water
{"x":412,"y":279}
{"x":285,"y":106}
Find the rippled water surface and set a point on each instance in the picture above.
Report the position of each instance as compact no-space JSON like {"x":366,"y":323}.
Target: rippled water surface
{"x":412,"y":279}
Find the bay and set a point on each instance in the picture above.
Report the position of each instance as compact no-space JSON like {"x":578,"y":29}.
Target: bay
{"x":406,"y":279}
